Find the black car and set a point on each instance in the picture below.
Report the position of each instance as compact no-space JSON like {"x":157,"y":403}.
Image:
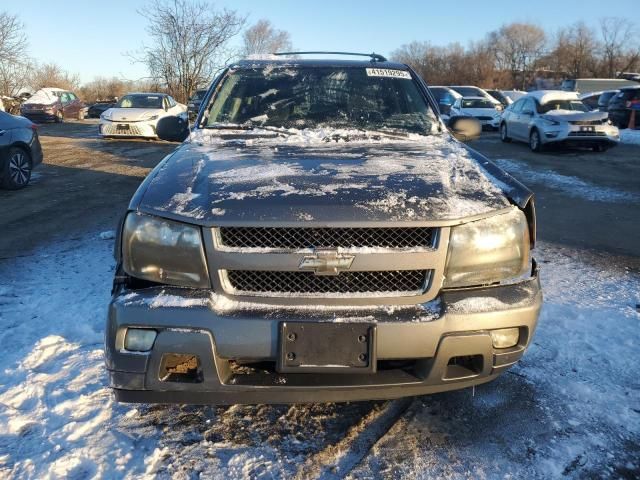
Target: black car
{"x":445,"y":98}
{"x":193,"y":106}
{"x":605,"y":98}
{"x":99,"y":108}
{"x":501,"y":97}
{"x":620,"y":106}
{"x":20,"y":151}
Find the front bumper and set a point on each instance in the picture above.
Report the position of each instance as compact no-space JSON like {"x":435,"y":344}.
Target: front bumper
{"x":221,"y":333}
{"x":127,"y":129}
{"x":574,"y":135}
{"x":39,"y":116}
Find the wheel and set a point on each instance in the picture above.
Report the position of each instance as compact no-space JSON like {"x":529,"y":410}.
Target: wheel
{"x":59,"y":117}
{"x":534,"y":141}
{"x":17,"y":169}
{"x":503,"y":133}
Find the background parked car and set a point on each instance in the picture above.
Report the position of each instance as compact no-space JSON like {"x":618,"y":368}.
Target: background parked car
{"x":620,"y":106}
{"x":554,"y":116}
{"x":513,"y":94}
{"x":590,"y":99}
{"x":603,"y":100}
{"x":501,"y":97}
{"x":193,"y":105}
{"x":53,"y":105}
{"x":20,"y":151}
{"x":480,"y":108}
{"x":445,"y":98}
{"x":471,"y":91}
{"x":99,"y":108}
{"x":137,"y":115}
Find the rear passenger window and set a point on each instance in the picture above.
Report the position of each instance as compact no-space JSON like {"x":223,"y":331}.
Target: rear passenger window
{"x":517,"y":107}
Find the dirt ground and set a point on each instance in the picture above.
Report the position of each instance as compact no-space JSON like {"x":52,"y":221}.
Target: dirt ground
{"x":86,"y":182}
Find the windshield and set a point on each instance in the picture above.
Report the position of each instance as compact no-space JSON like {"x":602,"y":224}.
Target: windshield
{"x":569,"y":105}
{"x":199,"y":95}
{"x":140,"y":101}
{"x":320,"y":97}
{"x":477,"y":103}
{"x":469,"y":91}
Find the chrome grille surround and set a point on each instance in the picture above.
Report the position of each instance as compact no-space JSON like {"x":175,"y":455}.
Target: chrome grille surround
{"x":283,"y":238}
{"x":222,"y":259}
{"x":390,"y":282}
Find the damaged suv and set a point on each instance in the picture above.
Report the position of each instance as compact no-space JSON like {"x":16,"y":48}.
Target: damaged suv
{"x":320,"y":235}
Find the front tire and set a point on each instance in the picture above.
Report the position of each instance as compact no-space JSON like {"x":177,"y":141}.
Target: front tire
{"x":504,"y":136}
{"x":535,"y":144}
{"x":17,"y":169}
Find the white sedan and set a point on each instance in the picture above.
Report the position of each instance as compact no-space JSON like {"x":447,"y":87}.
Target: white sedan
{"x":137,"y":114}
{"x":485,"y":111}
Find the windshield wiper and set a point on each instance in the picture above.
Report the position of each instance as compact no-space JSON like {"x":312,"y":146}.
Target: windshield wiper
{"x":247,"y":127}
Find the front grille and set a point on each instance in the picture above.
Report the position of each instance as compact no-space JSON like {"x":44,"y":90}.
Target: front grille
{"x":484,"y":118}
{"x":280,"y":282}
{"x":310,"y":237}
{"x":587,"y":134}
{"x":116,"y":129}
{"x":588,"y":122}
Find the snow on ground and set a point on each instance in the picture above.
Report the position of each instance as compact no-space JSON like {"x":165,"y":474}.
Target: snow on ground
{"x":571,"y":407}
{"x":630,"y":136}
{"x":572,"y":186}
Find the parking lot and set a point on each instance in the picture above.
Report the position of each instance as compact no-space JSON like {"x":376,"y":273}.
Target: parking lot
{"x":570,"y":407}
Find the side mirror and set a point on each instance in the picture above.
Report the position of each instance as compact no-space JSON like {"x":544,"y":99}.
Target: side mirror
{"x":465,"y":129}
{"x":172,"y":129}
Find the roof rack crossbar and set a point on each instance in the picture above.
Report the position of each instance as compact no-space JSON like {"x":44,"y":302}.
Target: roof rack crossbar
{"x":376,"y":57}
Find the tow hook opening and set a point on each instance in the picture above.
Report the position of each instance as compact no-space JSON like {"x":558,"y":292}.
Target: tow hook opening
{"x":181,"y":368}
{"x":464,"y":366}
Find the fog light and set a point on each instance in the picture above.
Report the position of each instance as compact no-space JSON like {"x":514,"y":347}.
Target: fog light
{"x":139,"y":339}
{"x":505,"y":337}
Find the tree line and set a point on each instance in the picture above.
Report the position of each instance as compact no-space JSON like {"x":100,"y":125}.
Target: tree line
{"x":190,"y":42}
{"x":520,"y":55}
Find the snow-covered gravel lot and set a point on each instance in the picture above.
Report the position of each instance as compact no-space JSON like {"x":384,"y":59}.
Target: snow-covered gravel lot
{"x":571,"y":407}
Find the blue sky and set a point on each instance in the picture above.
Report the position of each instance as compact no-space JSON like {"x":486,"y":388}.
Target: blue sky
{"x":91,"y":37}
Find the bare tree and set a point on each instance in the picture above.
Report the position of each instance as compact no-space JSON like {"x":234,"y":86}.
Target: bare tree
{"x":189,"y":40}
{"x":620,"y":47}
{"x":14,"y":62}
{"x":52,"y":75}
{"x":575,"y":51}
{"x":264,"y":38}
{"x":516,"y":47}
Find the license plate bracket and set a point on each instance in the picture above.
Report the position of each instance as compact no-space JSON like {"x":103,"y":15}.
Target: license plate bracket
{"x":326,"y":347}
{"x":587,"y":129}
{"x":122,"y":126}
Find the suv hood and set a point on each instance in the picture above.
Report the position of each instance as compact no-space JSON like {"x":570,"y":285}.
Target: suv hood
{"x":435,"y":179}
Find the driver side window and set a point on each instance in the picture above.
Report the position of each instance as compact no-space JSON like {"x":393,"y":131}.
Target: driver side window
{"x":517,"y":107}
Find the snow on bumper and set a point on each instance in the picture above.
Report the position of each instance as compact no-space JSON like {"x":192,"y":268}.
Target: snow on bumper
{"x":423,"y":339}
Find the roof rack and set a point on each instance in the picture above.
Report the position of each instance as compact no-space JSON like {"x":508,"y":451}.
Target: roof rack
{"x":375,"y":57}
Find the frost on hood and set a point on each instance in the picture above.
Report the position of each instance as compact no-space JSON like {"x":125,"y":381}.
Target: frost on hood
{"x":323,"y":175}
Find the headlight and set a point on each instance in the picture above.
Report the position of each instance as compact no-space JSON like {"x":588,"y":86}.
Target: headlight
{"x":489,"y":250}
{"x":154,"y":117}
{"x":549,"y":122}
{"x":105,"y":116}
{"x":499,"y":108}
{"x":163,"y":251}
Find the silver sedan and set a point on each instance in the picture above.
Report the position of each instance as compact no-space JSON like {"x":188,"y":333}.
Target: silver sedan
{"x":554,"y":117}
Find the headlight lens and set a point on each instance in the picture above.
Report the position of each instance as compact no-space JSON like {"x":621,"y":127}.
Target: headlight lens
{"x":549,"y":122}
{"x":153,"y":117}
{"x":163,"y":251}
{"x":489,"y":250}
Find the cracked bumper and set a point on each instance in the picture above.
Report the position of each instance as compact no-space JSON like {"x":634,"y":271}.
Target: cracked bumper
{"x":458,"y":325}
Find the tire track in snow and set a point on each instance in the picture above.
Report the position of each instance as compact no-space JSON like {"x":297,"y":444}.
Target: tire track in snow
{"x":337,"y":460}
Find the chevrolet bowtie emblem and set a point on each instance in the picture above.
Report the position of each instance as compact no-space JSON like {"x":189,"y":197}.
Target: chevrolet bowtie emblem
{"x":326,"y":262}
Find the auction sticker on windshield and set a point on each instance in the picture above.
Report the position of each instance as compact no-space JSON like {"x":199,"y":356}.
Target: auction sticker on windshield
{"x":387,"y":72}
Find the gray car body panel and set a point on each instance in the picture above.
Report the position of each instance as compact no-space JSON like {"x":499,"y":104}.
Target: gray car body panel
{"x":434,"y":181}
